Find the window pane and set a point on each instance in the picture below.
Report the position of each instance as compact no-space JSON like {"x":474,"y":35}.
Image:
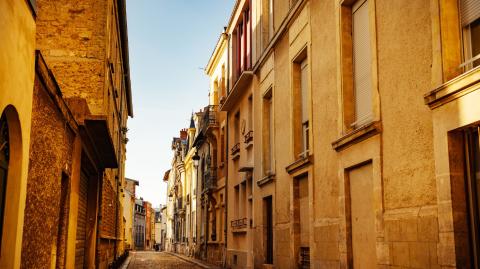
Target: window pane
{"x":304,"y":89}
{"x":475,"y":40}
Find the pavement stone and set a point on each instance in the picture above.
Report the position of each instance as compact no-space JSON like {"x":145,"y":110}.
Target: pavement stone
{"x":154,"y":260}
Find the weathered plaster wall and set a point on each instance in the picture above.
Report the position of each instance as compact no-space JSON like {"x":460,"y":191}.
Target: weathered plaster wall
{"x":325,"y":227}
{"x":17,"y":63}
{"x":50,"y":155}
{"x":404,"y":57}
{"x":283,"y":154}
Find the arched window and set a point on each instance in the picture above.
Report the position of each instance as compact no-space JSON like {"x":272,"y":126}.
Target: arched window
{"x":4,"y":159}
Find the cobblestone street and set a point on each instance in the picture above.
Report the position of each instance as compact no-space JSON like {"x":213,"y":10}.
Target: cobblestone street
{"x":151,"y":259}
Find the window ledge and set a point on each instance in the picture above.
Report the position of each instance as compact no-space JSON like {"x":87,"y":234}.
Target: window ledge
{"x":357,"y":135}
{"x":453,"y":89}
{"x":299,"y":164}
{"x":265,"y":180}
{"x":239,"y":231}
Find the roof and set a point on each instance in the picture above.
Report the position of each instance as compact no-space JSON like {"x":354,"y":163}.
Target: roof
{"x":122,"y":15}
{"x":165,"y":176}
{"x":133,"y":180}
{"x":215,"y":53}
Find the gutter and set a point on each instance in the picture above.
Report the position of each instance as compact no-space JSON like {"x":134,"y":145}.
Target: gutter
{"x":122,"y":12}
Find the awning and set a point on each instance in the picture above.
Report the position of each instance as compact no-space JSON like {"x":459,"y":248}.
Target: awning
{"x":97,"y":131}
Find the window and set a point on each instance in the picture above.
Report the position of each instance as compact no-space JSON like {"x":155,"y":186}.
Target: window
{"x":267,"y":22}
{"x":223,"y":86}
{"x":362,"y":79}
{"x":215,"y":93}
{"x":222,"y":145}
{"x":305,"y":106}
{"x":4,"y":161}
{"x":237,"y":202}
{"x":356,"y":64}
{"x":243,"y":42}
{"x":301,"y":106}
{"x":470,"y":22}
{"x":267,"y":133}
{"x":250,"y":113}
{"x":236,"y":127}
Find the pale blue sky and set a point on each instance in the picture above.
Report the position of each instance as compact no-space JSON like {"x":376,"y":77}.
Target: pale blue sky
{"x":170,"y":41}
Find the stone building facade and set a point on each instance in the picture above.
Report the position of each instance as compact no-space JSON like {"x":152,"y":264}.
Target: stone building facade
{"x":89,"y":57}
{"x":148,"y":225}
{"x":57,"y":142}
{"x":215,"y":132}
{"x":351,"y":134}
{"x":139,"y":225}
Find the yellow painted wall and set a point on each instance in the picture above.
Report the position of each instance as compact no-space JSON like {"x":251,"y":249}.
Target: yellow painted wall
{"x":17,"y":63}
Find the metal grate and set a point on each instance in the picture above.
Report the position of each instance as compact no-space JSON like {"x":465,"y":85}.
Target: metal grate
{"x":304,"y":257}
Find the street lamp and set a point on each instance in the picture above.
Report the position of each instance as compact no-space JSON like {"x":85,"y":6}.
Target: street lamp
{"x":195,"y":159}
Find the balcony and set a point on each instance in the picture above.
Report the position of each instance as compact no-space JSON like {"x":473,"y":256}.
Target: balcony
{"x":248,"y":139}
{"x":239,"y":225}
{"x":210,"y":179}
{"x":179,"y":209}
{"x":238,"y":88}
{"x":210,"y":118}
{"x":235,"y":151}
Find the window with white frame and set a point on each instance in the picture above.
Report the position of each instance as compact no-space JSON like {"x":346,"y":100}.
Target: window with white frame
{"x":305,"y":106}
{"x":470,"y":23}
{"x":362,"y":78}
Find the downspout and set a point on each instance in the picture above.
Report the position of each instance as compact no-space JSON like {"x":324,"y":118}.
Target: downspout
{"x":225,"y":229}
{"x":207,"y":202}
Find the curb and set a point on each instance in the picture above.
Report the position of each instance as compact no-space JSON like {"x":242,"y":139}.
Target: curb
{"x":190,"y":260}
{"x":126,"y":262}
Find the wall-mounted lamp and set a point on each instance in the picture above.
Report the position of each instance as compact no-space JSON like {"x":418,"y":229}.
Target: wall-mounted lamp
{"x":195,"y":159}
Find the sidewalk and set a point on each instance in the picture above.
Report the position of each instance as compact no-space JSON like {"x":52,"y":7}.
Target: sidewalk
{"x":194,"y":261}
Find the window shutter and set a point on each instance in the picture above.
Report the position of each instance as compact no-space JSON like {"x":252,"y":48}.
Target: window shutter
{"x":469,"y":11}
{"x":361,"y":63}
{"x":304,"y":89}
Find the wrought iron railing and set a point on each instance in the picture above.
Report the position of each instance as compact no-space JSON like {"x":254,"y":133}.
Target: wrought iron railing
{"x":235,"y":149}
{"x":210,"y":179}
{"x":210,"y":117}
{"x":248,"y":137}
{"x":239,"y":224}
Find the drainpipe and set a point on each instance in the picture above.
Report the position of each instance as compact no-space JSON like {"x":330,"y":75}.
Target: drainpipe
{"x":117,"y":177}
{"x":225,"y":229}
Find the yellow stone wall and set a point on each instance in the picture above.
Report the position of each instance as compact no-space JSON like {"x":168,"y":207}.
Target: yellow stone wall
{"x":17,"y":73}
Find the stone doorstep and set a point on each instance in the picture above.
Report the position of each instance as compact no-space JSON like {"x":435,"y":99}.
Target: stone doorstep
{"x":194,"y":261}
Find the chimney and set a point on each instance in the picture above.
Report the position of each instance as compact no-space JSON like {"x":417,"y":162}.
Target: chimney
{"x":183,"y":134}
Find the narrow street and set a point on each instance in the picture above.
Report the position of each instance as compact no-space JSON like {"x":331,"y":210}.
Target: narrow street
{"x":152,"y":259}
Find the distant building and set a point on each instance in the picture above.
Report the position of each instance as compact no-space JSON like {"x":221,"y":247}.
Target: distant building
{"x":163,"y":229}
{"x":139,"y":225}
{"x":158,"y":228}
{"x":148,"y":225}
{"x":129,"y":211}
